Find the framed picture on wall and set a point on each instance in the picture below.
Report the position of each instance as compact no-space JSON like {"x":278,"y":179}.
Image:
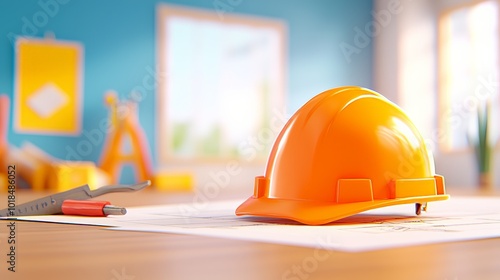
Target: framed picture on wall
{"x":48,"y":86}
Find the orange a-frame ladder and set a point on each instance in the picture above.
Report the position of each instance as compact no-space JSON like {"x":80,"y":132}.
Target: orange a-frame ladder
{"x":125,"y":123}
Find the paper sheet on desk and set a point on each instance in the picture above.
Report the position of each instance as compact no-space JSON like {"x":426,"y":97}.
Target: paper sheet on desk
{"x":457,"y":219}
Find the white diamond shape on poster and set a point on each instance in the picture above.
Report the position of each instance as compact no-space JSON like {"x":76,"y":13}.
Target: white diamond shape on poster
{"x":47,"y":100}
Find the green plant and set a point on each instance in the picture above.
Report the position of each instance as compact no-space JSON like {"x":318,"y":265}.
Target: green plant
{"x":482,"y":145}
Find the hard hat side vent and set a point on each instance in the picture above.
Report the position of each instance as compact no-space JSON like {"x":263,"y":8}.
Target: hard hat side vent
{"x":354,"y":190}
{"x":440,"y":189}
{"x":260,"y":186}
{"x":402,"y":188}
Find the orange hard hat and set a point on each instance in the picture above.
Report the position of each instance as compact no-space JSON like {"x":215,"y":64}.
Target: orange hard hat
{"x":347,"y":150}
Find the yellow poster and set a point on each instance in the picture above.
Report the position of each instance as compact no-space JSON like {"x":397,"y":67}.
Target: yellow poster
{"x":48,"y":86}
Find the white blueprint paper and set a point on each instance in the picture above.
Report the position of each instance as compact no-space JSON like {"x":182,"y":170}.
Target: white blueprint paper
{"x":458,"y":219}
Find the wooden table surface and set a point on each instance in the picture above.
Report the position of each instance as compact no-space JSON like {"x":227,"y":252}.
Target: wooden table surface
{"x":57,"y":251}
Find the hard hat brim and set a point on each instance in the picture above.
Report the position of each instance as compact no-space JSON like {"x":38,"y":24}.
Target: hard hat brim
{"x":318,"y":213}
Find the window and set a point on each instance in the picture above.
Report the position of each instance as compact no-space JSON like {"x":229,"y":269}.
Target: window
{"x":468,"y":70}
{"x":224,"y":82}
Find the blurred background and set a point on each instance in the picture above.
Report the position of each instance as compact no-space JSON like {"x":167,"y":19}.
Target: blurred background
{"x":194,"y":92}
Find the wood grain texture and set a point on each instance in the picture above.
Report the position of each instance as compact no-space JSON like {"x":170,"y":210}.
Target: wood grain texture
{"x":57,"y":251}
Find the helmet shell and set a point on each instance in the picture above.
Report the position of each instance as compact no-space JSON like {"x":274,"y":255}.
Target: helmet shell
{"x":346,"y":146}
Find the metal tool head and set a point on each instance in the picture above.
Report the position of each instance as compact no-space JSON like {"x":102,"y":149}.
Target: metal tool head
{"x":52,"y":204}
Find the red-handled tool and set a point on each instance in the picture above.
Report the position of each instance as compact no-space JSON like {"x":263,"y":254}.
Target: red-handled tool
{"x":52,"y":204}
{"x":91,"y":208}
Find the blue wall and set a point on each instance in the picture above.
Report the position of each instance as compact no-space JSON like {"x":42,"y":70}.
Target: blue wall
{"x":119,"y":41}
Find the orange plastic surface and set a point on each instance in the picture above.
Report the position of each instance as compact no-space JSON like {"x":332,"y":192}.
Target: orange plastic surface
{"x":4,"y":124}
{"x":84,"y":207}
{"x":345,"y":151}
{"x":125,"y":125}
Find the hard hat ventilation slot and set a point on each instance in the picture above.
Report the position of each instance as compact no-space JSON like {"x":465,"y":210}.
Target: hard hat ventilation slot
{"x":354,"y":190}
{"x":440,"y":189}
{"x":260,"y":186}
{"x":402,"y":188}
